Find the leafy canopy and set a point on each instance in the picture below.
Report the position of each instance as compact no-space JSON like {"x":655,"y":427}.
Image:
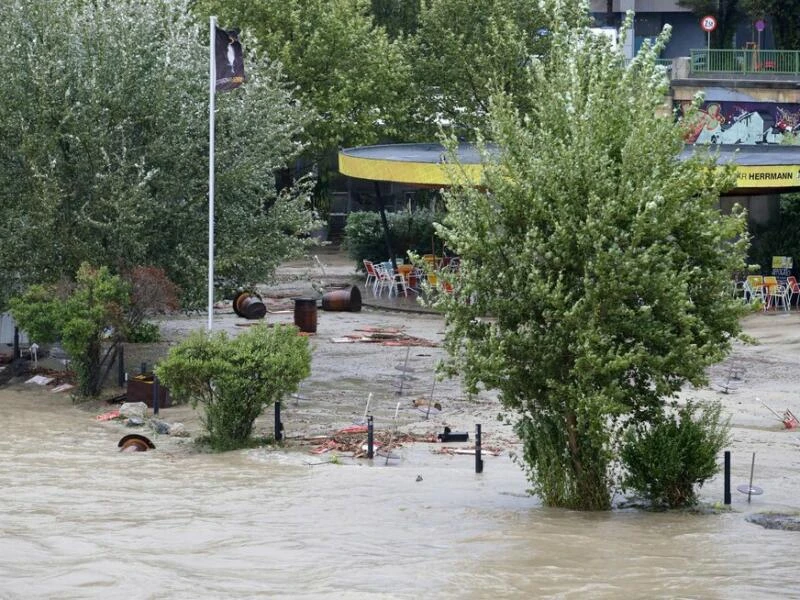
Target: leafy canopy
{"x":595,"y":269}
{"x":105,"y":159}
{"x":346,"y":69}
{"x":466,"y":50}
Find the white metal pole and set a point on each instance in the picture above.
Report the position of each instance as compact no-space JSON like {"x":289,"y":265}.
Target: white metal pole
{"x":212,"y":82}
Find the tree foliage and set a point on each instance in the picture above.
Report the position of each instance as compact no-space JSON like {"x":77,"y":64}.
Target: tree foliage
{"x":104,"y":114}
{"x":594,"y":274}
{"x":236,"y":378}
{"x":779,"y":237}
{"x":346,"y":69}
{"x":784,"y":18}
{"x":466,"y":50}
{"x":84,"y":316}
{"x":398,"y":17}
{"x":408,"y":230}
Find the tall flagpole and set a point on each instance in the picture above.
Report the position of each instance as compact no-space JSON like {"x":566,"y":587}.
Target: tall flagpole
{"x":212,"y":82}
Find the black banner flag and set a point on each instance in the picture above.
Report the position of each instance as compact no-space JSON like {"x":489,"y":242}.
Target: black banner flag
{"x":229,"y":62}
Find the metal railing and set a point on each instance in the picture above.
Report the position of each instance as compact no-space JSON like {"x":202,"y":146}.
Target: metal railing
{"x":779,"y":62}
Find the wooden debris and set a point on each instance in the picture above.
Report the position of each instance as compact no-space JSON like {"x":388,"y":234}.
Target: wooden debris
{"x":451,"y":450}
{"x":386,"y":336}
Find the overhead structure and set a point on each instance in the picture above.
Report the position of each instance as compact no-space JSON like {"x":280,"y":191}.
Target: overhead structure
{"x":415,"y":164}
{"x":761,"y":169}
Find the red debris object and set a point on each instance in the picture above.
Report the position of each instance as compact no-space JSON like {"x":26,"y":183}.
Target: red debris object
{"x":112,"y":414}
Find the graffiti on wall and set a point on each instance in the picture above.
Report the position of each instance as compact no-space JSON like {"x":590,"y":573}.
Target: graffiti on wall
{"x":742,"y":123}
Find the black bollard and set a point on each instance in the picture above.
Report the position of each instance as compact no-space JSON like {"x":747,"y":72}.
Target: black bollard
{"x":727,"y":499}
{"x":478,"y":459}
{"x":278,"y":424}
{"x":17,"y":353}
{"x":155,"y":395}
{"x":121,"y":366}
{"x":370,"y":437}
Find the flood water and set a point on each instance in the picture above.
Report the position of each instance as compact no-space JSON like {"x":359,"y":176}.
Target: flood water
{"x":80,"y":520}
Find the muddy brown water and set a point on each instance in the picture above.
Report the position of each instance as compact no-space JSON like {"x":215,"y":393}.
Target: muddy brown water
{"x":78,"y":519}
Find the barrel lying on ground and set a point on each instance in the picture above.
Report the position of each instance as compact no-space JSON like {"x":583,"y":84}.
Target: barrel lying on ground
{"x":249,"y":305}
{"x":346,"y":300}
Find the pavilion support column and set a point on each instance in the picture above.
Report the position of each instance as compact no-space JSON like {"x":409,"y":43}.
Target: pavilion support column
{"x":387,"y":238}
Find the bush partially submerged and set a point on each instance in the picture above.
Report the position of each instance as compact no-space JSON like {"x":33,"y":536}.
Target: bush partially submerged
{"x":667,"y":458}
{"x":236,"y":378}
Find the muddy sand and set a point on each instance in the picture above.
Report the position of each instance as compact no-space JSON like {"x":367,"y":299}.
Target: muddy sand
{"x":405,"y":397}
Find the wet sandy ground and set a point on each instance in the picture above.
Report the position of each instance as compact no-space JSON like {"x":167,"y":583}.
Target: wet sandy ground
{"x":400,"y":379}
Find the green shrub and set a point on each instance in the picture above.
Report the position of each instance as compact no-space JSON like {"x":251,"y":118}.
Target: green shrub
{"x":666,"y":459}
{"x":83,"y":315}
{"x":364,"y":237}
{"x":144,"y":333}
{"x":236,"y":378}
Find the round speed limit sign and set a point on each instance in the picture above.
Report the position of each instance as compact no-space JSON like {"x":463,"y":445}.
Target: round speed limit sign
{"x":708,"y":23}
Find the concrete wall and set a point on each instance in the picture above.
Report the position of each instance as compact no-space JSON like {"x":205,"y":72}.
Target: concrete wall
{"x":735,"y":90}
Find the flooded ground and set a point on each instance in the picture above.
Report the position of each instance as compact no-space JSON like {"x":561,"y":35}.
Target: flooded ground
{"x":78,"y":519}
{"x":81,"y":520}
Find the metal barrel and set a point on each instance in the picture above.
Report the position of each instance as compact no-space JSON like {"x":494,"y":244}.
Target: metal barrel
{"x":249,"y":305}
{"x":305,"y":314}
{"x":346,"y":300}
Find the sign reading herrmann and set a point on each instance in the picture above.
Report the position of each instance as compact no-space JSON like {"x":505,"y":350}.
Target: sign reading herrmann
{"x":768,"y":176}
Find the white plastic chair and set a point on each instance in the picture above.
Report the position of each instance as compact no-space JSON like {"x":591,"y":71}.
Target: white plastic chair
{"x":388,"y":278}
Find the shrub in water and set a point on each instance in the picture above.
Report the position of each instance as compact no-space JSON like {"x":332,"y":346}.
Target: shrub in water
{"x":667,"y":458}
{"x":236,"y":378}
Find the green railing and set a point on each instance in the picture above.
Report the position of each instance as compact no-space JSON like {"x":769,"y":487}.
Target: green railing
{"x":783,"y":62}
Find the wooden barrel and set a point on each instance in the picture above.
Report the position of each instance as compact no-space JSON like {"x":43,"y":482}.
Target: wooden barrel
{"x":249,"y":305}
{"x":305,"y":314}
{"x":346,"y":300}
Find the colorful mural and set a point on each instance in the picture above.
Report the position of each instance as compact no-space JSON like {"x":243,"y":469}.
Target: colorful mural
{"x":742,"y":123}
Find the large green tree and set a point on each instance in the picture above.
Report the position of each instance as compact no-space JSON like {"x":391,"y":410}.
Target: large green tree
{"x":783,"y":17}
{"x":104,"y":117}
{"x":466,"y":50}
{"x":595,"y":270}
{"x":345,"y":68}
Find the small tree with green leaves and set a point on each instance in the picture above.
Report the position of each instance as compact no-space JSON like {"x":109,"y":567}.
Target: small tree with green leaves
{"x":84,"y":316}
{"x":595,"y":265}
{"x":667,"y":458}
{"x":235,"y":378}
{"x":408,"y":230}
